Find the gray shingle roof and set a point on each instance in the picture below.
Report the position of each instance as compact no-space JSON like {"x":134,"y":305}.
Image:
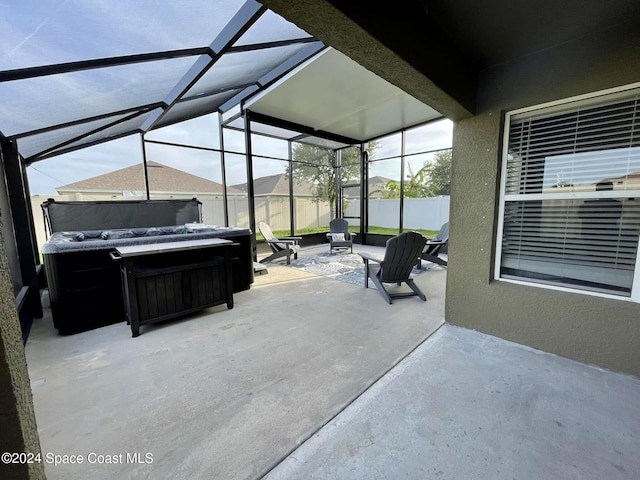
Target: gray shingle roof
{"x":161,"y":179}
{"x":376,"y":184}
{"x":276,"y":184}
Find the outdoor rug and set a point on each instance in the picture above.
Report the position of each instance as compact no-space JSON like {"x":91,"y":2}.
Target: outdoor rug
{"x":346,"y":267}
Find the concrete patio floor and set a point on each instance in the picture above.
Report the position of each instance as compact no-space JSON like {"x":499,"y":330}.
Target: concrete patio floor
{"x":309,"y":377}
{"x":225,"y":394}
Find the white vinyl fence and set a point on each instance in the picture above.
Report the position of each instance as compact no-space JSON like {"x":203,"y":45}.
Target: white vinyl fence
{"x":272,"y":209}
{"x":419,"y":213}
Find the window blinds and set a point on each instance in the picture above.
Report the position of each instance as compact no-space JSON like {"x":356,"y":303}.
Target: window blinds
{"x":550,"y":234}
{"x":573,"y":148}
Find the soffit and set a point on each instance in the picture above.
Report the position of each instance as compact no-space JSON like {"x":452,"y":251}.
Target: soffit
{"x":499,"y":31}
{"x":332,"y":93}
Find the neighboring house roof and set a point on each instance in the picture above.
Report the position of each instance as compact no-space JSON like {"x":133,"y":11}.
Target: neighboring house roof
{"x":624,"y":182}
{"x":377,"y":180}
{"x":375,"y":183}
{"x":161,"y":179}
{"x":632,"y":178}
{"x":276,"y":184}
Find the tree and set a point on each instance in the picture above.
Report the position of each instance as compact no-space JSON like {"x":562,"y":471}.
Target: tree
{"x":316,"y":165}
{"x":415,"y":185}
{"x":439,"y":173}
{"x":431,"y":180}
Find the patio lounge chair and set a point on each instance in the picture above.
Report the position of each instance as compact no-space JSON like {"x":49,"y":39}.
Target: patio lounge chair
{"x":399,"y":258}
{"x":434,"y":247}
{"x":339,"y":235}
{"x":280,"y":246}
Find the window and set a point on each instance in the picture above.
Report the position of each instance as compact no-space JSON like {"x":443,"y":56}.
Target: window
{"x":570,"y":201}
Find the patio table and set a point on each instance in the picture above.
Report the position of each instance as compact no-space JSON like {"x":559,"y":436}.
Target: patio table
{"x":168,"y":280}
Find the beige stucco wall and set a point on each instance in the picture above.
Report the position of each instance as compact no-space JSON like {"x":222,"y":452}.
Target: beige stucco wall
{"x":587,"y":328}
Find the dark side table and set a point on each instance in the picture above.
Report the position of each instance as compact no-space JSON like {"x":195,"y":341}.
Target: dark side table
{"x":161,"y":281}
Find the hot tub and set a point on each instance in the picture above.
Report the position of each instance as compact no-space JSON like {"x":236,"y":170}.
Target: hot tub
{"x":84,"y":282}
{"x":85,"y":287}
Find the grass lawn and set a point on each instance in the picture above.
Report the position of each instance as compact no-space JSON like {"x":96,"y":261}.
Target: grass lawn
{"x":372,"y":229}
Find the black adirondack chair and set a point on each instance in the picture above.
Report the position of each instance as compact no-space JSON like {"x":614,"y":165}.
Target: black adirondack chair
{"x":339,"y":235}
{"x":434,"y":247}
{"x":400,"y":256}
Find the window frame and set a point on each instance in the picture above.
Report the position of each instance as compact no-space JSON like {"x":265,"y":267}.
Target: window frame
{"x":558,"y":106}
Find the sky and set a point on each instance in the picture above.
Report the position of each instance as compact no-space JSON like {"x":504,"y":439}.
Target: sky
{"x":69,"y":30}
{"x":41,"y":32}
{"x":588,"y":168}
{"x":45,"y":175}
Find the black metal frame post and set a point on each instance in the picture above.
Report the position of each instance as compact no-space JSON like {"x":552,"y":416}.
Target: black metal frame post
{"x":145,"y":172}
{"x":250,"y":189}
{"x":248,"y":14}
{"x":364,"y":192}
{"x":32,"y":226}
{"x":338,"y":183}
{"x":401,"y":213}
{"x":291,"y":197}
{"x":223,"y":167}
{"x":15,"y":178}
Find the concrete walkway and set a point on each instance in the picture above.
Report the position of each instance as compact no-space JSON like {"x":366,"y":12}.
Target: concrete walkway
{"x":469,"y":406}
